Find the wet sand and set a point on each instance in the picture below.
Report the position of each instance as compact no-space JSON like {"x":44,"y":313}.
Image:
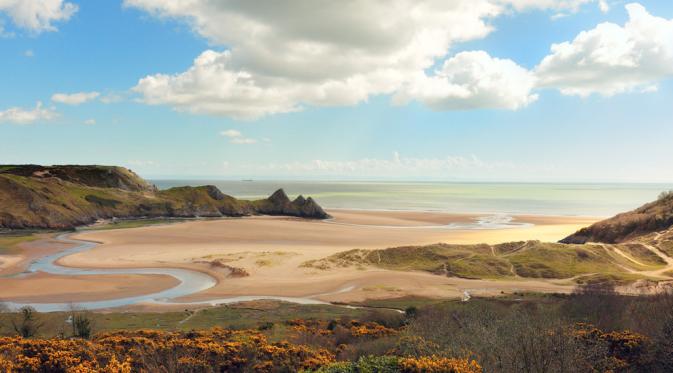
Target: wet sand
{"x":43,"y":287}
{"x":272,"y":250}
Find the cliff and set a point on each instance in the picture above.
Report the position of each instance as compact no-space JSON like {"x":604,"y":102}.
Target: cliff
{"x":64,"y":197}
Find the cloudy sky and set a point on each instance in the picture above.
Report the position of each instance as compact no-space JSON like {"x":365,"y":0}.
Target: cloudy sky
{"x":510,"y":90}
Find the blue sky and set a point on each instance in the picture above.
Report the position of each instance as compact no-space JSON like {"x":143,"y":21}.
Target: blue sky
{"x":426,"y":120}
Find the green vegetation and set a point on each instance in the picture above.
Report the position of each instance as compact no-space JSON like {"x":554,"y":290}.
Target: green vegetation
{"x":9,"y":242}
{"x":238,"y":316}
{"x":531,"y":259}
{"x":642,"y":254}
{"x":593,"y":329}
{"x":651,"y":217}
{"x":134,"y":223}
{"x":65,"y":197}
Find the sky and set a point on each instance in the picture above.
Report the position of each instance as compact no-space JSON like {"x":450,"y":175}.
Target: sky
{"x":461,"y":90}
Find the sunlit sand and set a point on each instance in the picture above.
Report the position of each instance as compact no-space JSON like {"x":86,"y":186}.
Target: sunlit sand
{"x":272,"y":250}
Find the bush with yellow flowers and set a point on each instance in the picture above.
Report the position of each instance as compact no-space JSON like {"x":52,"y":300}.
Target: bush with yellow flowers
{"x":396,"y":364}
{"x":150,"y":351}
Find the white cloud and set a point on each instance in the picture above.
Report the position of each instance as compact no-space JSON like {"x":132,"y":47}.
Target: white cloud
{"x":566,"y":5}
{"x":236,"y":137}
{"x":334,"y":54}
{"x":472,"y":80}
{"x":19,"y":115}
{"x":29,"y":53}
{"x":112,"y":98}
{"x":90,"y":122}
{"x":37,"y":15}
{"x":231,"y":133}
{"x":603,"y":6}
{"x":612,"y":59}
{"x":74,"y":98}
{"x":243,"y":140}
{"x":396,"y":166}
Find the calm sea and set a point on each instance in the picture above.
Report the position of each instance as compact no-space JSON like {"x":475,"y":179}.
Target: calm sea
{"x":505,"y":198}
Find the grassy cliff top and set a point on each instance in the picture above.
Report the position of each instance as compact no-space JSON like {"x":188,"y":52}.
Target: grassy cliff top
{"x":651,"y":217}
{"x":88,"y":175}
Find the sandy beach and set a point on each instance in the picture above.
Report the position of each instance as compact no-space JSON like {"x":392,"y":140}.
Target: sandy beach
{"x":43,"y":287}
{"x":272,"y":250}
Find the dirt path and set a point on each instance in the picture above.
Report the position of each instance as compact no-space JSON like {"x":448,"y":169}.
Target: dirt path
{"x":653,"y":248}
{"x":622,"y":254}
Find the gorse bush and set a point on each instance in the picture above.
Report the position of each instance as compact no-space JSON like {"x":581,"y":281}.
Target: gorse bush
{"x":592,"y":330}
{"x":217,"y":350}
{"x":394,"y":364}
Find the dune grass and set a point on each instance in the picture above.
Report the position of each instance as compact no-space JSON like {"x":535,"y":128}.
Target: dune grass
{"x":531,"y":259}
{"x":134,"y":223}
{"x":9,"y":242}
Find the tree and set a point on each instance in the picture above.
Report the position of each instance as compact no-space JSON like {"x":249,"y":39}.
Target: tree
{"x":81,"y":326}
{"x":81,"y":322}
{"x":26,"y":322}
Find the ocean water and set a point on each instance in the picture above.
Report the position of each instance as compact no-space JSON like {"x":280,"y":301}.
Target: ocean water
{"x":488,"y":198}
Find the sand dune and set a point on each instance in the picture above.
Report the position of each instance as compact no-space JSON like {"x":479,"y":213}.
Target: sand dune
{"x":272,"y":250}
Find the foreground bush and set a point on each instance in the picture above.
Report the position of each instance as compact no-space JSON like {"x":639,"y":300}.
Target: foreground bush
{"x":393,"y":364}
{"x":217,"y":350}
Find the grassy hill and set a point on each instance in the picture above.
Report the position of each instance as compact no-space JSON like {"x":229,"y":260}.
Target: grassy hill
{"x":652,"y":217}
{"x":619,"y":264}
{"x":63,"y":197}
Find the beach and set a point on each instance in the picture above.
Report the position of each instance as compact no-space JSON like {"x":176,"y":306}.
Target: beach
{"x":272,"y":251}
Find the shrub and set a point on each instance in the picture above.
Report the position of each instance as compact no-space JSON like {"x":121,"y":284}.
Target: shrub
{"x":26,"y":323}
{"x":394,"y":364}
{"x":665,"y":195}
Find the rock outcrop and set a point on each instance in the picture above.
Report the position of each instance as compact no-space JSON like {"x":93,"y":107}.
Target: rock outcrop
{"x":280,"y":204}
{"x":64,"y":197}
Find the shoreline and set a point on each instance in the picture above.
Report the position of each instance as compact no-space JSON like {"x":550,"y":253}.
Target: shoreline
{"x":479,"y":213}
{"x":272,"y":250}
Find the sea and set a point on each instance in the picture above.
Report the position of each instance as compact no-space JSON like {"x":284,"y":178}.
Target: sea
{"x":596,"y":200}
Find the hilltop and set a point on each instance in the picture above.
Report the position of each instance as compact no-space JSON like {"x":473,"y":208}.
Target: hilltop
{"x":651,"y":217}
{"x":64,"y":197}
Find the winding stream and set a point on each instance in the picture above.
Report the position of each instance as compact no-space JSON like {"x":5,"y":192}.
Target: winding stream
{"x":190,"y":282}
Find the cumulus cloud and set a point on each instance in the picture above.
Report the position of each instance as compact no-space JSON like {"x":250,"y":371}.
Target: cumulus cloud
{"x":560,"y":5}
{"x":472,"y":80}
{"x":19,"y":115}
{"x":236,"y":137}
{"x":335,"y":54}
{"x":90,"y":122}
{"x":74,"y":98}
{"x":112,"y":98}
{"x":37,"y":15}
{"x":612,"y":59}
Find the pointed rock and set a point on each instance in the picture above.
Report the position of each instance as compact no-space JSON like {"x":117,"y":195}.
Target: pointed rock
{"x":279,"y":197}
{"x":299,"y":201}
{"x":214,"y":192}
